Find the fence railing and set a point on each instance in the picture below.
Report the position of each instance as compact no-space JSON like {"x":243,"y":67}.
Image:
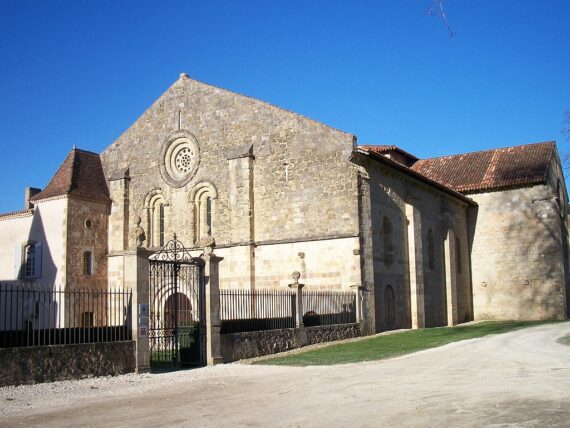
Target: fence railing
{"x":253,"y":310}
{"x":266,"y":309}
{"x":32,"y":315}
{"x":328,"y":307}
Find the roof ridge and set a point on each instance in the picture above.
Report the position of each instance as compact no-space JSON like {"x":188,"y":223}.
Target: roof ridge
{"x":491,"y":150}
{"x":74,"y":161}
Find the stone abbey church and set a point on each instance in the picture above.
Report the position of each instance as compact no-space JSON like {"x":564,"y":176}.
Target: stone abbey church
{"x":428,"y":242}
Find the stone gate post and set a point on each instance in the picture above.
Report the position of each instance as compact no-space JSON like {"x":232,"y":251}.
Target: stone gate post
{"x":358,"y":293}
{"x":136,"y":276}
{"x":213,"y":324}
{"x":298,"y":299}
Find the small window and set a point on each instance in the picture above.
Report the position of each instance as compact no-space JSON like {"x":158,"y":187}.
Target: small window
{"x":209,"y":214}
{"x":161,"y":225}
{"x":204,"y":211}
{"x":156,"y":217}
{"x":87,"y":263}
{"x":30,"y":261}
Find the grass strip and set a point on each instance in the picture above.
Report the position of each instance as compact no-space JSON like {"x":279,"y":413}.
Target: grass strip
{"x":380,"y":347}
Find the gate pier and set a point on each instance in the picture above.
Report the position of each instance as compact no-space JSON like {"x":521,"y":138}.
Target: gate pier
{"x":213,"y":323}
{"x":136,"y":276}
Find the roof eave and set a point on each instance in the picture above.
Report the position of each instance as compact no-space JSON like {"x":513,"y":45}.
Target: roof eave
{"x":416,"y":175}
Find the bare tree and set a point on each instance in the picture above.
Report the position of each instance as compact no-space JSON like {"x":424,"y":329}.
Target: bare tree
{"x":437,"y":9}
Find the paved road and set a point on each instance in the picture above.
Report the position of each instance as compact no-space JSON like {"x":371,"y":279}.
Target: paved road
{"x":518,"y":379}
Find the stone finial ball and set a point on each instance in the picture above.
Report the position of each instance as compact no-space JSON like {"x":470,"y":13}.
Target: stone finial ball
{"x":296,"y":275}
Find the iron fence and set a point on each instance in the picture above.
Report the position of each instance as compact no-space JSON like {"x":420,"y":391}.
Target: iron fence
{"x":254,"y":310}
{"x":266,"y":309}
{"x":323,"y":307}
{"x":36,"y":315}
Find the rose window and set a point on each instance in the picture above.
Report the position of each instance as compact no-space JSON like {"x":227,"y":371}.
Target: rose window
{"x":180,"y":158}
{"x":183,"y":160}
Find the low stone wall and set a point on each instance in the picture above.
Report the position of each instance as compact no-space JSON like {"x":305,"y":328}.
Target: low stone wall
{"x":239,"y":346}
{"x":62,"y":362}
{"x":330,"y":333}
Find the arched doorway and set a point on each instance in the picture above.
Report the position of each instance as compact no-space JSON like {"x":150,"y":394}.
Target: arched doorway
{"x":177,"y":310}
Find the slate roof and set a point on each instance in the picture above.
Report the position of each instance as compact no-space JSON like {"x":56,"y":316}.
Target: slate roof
{"x":490,"y":169}
{"x":80,"y":175}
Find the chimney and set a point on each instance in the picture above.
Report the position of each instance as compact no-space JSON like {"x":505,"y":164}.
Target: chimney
{"x":30,"y":192}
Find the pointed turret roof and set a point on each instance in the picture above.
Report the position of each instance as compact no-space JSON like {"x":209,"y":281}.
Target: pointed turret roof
{"x":80,"y":175}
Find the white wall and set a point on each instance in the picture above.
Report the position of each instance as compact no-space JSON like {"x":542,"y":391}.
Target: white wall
{"x":45,"y":224}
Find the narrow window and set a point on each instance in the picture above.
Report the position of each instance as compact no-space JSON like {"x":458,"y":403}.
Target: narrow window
{"x":458,"y":254}
{"x":203,"y":196}
{"x":209,"y":214}
{"x":387,"y":241}
{"x":87,"y":263}
{"x":204,"y":215}
{"x":161,"y":225}
{"x":431,"y":255}
{"x":29,"y":260}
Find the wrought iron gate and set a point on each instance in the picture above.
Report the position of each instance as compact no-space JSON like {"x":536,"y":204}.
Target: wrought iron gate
{"x":177,"y":324}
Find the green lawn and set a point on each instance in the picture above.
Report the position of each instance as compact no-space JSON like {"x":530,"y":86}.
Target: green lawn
{"x":380,"y":347}
{"x":565,"y":340}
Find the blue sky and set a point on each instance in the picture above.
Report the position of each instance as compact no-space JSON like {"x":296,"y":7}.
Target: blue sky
{"x":79,"y":72}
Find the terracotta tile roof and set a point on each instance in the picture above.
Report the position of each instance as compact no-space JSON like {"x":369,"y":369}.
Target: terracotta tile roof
{"x":408,"y":171}
{"x":80,"y":175}
{"x":490,"y":169}
{"x":382,"y":149}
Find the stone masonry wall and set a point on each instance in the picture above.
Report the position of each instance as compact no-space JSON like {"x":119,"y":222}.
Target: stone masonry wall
{"x":83,"y":238}
{"x":518,"y":255}
{"x":239,"y":346}
{"x":303,"y":183}
{"x":328,"y":264}
{"x":392,"y":194}
{"x":64,"y":362}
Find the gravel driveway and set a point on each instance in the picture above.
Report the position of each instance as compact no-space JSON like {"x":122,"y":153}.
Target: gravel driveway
{"x":517,"y":379}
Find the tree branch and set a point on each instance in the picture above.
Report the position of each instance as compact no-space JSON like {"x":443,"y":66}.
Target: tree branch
{"x":437,"y":9}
